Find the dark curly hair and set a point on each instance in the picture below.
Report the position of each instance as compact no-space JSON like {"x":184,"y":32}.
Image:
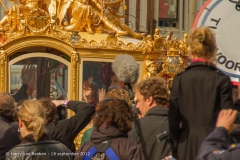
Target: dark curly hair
{"x":155,"y":87}
{"x":113,"y":111}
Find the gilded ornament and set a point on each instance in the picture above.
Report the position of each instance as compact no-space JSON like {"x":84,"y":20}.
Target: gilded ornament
{"x":151,"y":68}
{"x":2,"y":56}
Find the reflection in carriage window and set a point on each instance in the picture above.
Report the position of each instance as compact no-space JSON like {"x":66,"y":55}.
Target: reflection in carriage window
{"x":97,"y":76}
{"x":33,"y":78}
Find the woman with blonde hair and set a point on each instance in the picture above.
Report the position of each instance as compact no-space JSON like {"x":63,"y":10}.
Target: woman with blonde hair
{"x":35,"y":143}
{"x":197,"y":95}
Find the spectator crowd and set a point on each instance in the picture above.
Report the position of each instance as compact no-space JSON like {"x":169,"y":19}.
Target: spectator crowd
{"x":196,"y":120}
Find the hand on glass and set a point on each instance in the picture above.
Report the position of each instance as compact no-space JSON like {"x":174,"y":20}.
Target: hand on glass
{"x":28,"y":74}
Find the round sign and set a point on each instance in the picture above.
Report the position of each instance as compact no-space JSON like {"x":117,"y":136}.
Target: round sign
{"x":223,"y":18}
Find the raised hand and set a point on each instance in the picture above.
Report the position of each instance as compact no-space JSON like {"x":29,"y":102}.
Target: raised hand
{"x":226,"y":119}
{"x":28,"y":74}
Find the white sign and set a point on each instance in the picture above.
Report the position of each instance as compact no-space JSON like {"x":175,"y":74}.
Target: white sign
{"x":224,"y":19}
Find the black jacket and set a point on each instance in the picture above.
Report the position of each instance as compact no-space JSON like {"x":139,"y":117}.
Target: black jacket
{"x":196,"y":97}
{"x":66,"y":130}
{"x":43,"y":149}
{"x":124,"y":148}
{"x":217,"y":147}
{"x":153,"y":123}
{"x":9,"y":136}
{"x":21,"y":94}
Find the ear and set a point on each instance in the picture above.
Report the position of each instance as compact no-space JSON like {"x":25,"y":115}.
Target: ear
{"x":20,"y":123}
{"x":149,"y":101}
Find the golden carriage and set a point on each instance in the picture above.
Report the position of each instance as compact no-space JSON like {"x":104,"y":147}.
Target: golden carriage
{"x":70,"y":41}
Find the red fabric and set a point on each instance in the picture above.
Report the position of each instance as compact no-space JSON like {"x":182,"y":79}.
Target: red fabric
{"x":106,"y":73}
{"x":202,"y":60}
{"x":163,"y":8}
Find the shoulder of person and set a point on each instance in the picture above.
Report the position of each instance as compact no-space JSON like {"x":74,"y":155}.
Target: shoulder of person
{"x":233,"y":147}
{"x":179,"y":74}
{"x":220,"y":72}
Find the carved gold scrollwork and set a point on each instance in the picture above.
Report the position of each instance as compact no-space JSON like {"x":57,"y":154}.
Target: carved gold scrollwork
{"x":38,"y":20}
{"x":3,"y":68}
{"x":75,"y":74}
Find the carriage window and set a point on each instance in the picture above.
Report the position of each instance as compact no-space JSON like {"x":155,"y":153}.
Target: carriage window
{"x":97,"y":75}
{"x":38,"y":77}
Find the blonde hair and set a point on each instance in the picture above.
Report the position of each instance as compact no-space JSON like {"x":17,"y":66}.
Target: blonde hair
{"x":33,"y":116}
{"x":202,"y":43}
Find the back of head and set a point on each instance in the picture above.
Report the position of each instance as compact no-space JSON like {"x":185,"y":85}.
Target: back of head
{"x":50,"y":109}
{"x":6,"y":98}
{"x":114,"y":111}
{"x":120,"y":94}
{"x":32,"y":114}
{"x":155,"y":87}
{"x":7,"y":107}
{"x":202,"y":43}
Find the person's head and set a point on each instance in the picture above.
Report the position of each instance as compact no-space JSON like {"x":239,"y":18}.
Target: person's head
{"x":114,"y":111}
{"x":114,"y":82}
{"x":90,"y":79}
{"x":202,"y":43}
{"x":31,"y":117}
{"x":119,"y":93}
{"x":33,"y":94}
{"x":150,"y":93}
{"x":7,"y":106}
{"x":6,"y":98}
{"x":50,"y":109}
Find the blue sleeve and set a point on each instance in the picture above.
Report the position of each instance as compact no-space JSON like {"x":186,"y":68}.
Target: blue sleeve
{"x":217,"y":143}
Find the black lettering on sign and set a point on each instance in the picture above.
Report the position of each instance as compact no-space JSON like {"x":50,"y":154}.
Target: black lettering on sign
{"x":216,"y":21}
{"x":222,"y":59}
{"x":213,"y":27}
{"x":229,"y":64}
{"x":237,"y":66}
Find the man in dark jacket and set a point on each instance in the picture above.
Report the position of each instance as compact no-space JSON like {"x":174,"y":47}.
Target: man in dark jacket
{"x":9,"y":135}
{"x":66,"y":130}
{"x":152,"y":99}
{"x":216,"y":146}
